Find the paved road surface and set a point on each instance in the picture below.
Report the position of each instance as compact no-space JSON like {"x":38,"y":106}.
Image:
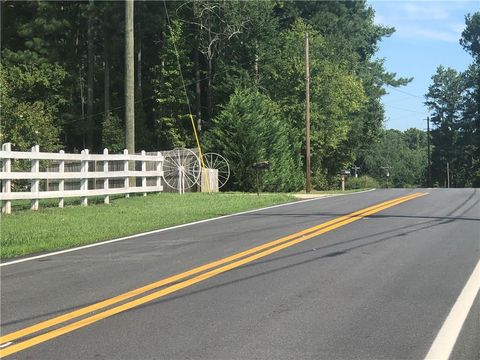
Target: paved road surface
{"x":379,"y":287}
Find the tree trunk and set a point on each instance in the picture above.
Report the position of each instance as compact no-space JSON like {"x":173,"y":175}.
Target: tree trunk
{"x":209,"y":90}
{"x":82,"y":103}
{"x":91,"y":63}
{"x":198,"y":92}
{"x":106,"y":68}
{"x":209,"y":74}
{"x":198,"y":86}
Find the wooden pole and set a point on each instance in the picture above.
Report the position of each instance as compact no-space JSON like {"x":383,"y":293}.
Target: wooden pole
{"x":129,"y":79}
{"x":308,"y":185}
{"x":429,"y":175}
{"x":129,"y":85}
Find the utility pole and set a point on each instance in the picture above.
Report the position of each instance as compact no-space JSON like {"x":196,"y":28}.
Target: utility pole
{"x":129,"y":79}
{"x":429,"y":169}
{"x":308,"y":185}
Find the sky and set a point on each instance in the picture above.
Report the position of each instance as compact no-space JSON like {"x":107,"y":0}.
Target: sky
{"x":427,"y":35}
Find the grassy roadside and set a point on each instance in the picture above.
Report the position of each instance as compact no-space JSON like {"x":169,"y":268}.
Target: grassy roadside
{"x":27,"y":232}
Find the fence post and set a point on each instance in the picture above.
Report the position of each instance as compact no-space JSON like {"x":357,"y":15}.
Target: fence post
{"x":7,"y":183}
{"x":84,"y":180}
{"x":126,"y":183}
{"x":106,"y":182}
{"x":159,"y":169}
{"x":144,"y":169}
{"x":35,"y":183}
{"x":61,"y":184}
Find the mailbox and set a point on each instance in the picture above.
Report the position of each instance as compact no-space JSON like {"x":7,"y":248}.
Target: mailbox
{"x":261,"y":165}
{"x":345,"y":172}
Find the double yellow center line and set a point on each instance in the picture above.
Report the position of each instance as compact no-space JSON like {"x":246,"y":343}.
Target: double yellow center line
{"x":202,"y":273}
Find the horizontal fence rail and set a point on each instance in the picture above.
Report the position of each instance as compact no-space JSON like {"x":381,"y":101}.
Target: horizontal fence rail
{"x":76,"y":175}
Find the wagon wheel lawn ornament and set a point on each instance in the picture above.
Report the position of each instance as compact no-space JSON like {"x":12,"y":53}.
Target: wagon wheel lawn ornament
{"x":181,"y":169}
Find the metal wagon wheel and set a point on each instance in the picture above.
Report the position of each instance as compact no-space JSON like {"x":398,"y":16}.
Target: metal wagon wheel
{"x":218,"y":162}
{"x":181,"y":169}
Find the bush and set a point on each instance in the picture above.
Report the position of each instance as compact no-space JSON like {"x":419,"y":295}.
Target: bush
{"x":321,"y":180}
{"x":250,"y":129}
{"x":361,"y":182}
{"x":113,"y":134}
{"x":30,"y":103}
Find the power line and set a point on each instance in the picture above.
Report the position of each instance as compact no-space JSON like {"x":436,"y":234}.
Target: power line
{"x":178,"y":58}
{"x":409,"y":110}
{"x":203,"y":167}
{"x":153,"y":96}
{"x":405,"y":92}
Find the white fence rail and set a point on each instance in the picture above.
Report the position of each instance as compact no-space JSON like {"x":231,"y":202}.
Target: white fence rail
{"x":100,"y":175}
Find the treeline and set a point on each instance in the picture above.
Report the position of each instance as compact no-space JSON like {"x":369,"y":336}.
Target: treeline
{"x":454,"y":103}
{"x":398,"y":159}
{"x":242,"y":62}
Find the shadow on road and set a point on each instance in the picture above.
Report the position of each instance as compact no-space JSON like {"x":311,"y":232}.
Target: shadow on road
{"x":390,"y":234}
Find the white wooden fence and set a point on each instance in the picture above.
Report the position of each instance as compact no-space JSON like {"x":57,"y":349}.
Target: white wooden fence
{"x":92,"y":183}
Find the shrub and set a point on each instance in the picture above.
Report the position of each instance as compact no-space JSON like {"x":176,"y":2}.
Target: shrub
{"x":321,"y":180}
{"x":361,"y":182}
{"x":250,"y":129}
{"x":113,"y":134}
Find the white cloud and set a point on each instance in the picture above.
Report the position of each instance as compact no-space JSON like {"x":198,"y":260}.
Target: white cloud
{"x":424,"y":11}
{"x":380,"y":19}
{"x":457,"y":28}
{"x":430,"y":34}
{"x":421,"y":20}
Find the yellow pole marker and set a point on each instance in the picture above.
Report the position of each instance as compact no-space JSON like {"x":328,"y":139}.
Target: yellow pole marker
{"x":166,"y":291}
{"x":200,"y":155}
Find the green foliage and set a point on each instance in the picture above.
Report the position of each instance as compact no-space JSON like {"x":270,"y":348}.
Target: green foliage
{"x":454,"y":102}
{"x":337,"y":96}
{"x":362,"y":182}
{"x":469,"y":174}
{"x":222,"y":46}
{"x":113,"y":134}
{"x":172,"y":120}
{"x":470,"y":39}
{"x":29,"y":104}
{"x":321,"y":180}
{"x":444,"y":101}
{"x":406,"y":157}
{"x":250,"y":129}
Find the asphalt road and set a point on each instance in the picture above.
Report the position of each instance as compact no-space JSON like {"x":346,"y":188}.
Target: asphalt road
{"x":380,"y":287}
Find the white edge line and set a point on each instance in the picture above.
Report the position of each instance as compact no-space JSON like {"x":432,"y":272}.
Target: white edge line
{"x":447,"y":336}
{"x":165,"y":229}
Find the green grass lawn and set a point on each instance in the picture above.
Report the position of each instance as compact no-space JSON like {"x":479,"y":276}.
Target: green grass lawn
{"x":28,"y":232}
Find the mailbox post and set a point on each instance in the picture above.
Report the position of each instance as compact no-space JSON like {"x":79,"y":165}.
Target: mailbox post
{"x":259,"y":166}
{"x":344,"y":173}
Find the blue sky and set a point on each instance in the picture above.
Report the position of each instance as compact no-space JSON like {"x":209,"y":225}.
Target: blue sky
{"x":427,"y":35}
